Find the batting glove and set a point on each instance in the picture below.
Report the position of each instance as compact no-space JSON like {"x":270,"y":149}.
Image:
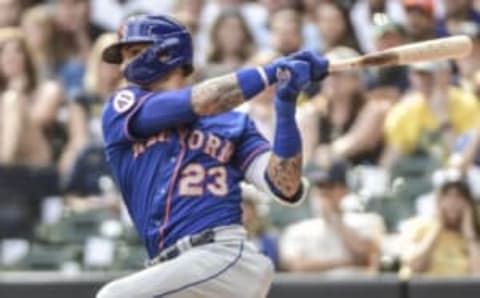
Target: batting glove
{"x":292,"y":77}
{"x":318,"y":64}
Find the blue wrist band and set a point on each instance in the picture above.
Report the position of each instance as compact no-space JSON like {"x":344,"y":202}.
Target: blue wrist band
{"x":251,"y":82}
{"x":287,"y":142}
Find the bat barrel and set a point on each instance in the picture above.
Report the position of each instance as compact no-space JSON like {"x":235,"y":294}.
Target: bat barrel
{"x":442,"y":48}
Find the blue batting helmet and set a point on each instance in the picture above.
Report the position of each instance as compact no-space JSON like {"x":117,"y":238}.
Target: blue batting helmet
{"x":170,"y":47}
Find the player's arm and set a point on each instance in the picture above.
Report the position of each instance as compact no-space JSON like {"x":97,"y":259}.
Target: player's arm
{"x":283,"y":165}
{"x":173,"y":108}
{"x":284,"y":170}
{"x":229,"y":91}
{"x":214,"y":96}
{"x":226,"y":92}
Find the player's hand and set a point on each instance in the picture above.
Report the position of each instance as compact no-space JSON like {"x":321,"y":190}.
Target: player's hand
{"x":318,"y":64}
{"x":292,"y":77}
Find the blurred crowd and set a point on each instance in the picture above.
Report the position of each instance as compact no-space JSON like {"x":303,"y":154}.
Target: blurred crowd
{"x":392,"y":154}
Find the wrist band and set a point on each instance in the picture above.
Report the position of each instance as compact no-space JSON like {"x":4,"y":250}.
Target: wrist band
{"x":252,"y":81}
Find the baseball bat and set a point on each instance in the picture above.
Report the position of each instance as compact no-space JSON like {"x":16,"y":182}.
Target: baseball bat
{"x":435,"y":49}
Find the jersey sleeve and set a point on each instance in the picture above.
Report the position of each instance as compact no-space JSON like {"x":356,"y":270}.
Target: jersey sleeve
{"x":161,"y":111}
{"x":132,"y":115}
{"x":117,"y":112}
{"x":250,"y":145}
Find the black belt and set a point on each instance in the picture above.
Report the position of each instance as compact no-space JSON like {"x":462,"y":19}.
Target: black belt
{"x":205,"y":237}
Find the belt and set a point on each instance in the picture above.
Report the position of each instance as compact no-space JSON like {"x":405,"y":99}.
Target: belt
{"x":202,"y":238}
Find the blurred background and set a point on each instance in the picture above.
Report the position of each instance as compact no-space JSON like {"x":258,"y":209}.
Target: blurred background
{"x":392,"y":154}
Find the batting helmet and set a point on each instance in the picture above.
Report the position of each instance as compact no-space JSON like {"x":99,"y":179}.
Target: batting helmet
{"x":170,"y":47}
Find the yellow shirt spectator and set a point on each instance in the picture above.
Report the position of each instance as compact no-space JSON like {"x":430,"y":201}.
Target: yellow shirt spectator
{"x":411,"y":118}
{"x":449,"y":255}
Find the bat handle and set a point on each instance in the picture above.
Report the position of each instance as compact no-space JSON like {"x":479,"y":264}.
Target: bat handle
{"x":383,"y":58}
{"x":343,"y":65}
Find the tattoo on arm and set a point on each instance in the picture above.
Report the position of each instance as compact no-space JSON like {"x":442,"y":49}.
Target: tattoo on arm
{"x":216,"y":95}
{"x":285,"y":174}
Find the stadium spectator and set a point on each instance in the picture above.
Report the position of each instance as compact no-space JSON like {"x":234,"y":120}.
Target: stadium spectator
{"x":388,"y":82}
{"x":118,"y":11}
{"x":388,"y":35}
{"x":28,"y":107}
{"x":83,"y":159}
{"x":37,"y":23}
{"x":467,"y":147}
{"x":256,"y":14}
{"x":420,"y":20}
{"x":429,"y":118}
{"x":367,"y":14}
{"x":10,"y":13}
{"x":341,"y":122}
{"x":469,"y":66}
{"x":286,"y":31}
{"x":254,"y":212}
{"x":260,"y":14}
{"x":340,"y":239}
{"x":456,"y":14}
{"x":449,"y":243}
{"x":74,"y":36}
{"x":334,"y":26}
{"x":466,"y":152}
{"x":311,"y":39}
{"x":190,"y":14}
{"x":231,"y":43}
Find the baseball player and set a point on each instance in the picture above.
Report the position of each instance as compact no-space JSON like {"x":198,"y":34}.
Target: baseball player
{"x":179,"y":153}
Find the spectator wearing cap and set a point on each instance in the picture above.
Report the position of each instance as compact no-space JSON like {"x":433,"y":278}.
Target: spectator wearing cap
{"x":388,"y":82}
{"x":430,"y":117}
{"x":457,"y":12}
{"x":366,"y":15}
{"x":420,"y":21}
{"x":340,"y":122}
{"x":335,"y":241}
{"x":447,"y":244}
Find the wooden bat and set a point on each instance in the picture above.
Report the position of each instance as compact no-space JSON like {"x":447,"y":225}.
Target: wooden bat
{"x":435,"y":49}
